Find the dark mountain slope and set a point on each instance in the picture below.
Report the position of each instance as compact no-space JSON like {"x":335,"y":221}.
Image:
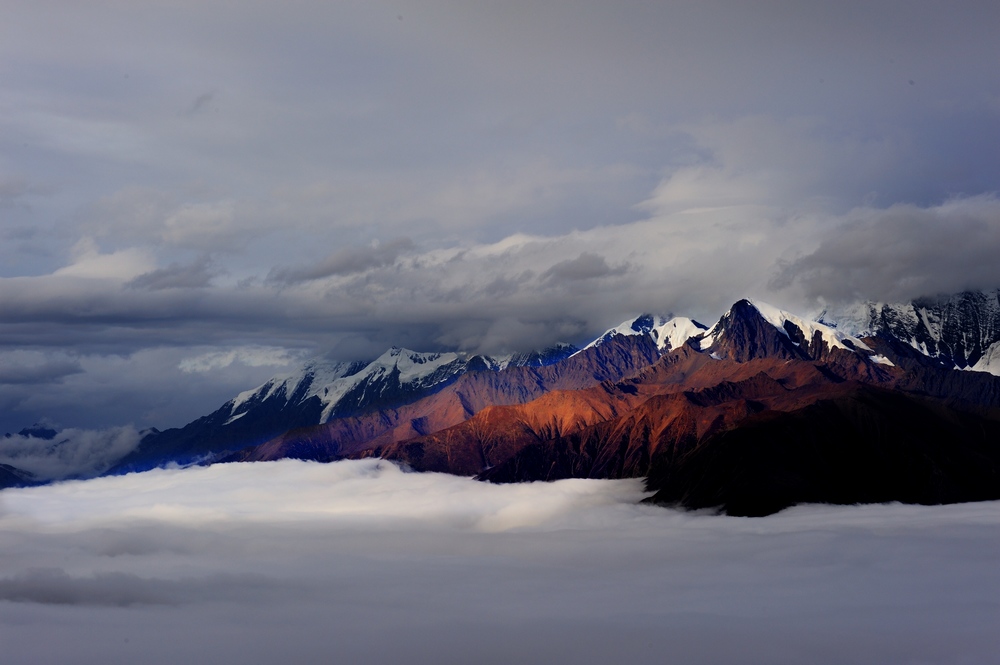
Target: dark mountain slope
{"x":13,"y":477}
{"x":867,"y":446}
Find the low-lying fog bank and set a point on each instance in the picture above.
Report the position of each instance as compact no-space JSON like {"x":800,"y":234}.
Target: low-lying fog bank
{"x":359,"y":562}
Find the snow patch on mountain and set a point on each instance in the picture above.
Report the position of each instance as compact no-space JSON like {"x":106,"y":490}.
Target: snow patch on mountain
{"x":411,"y":365}
{"x":667,"y":333}
{"x":990,"y":362}
{"x":547,"y":356}
{"x":313,"y":373}
{"x":233,"y":419}
{"x":331,"y":382}
{"x":834,"y":338}
{"x":676,"y":332}
{"x":349,"y":387}
{"x":861,"y":319}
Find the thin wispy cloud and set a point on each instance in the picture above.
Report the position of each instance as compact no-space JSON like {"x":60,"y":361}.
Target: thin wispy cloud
{"x":71,"y":453}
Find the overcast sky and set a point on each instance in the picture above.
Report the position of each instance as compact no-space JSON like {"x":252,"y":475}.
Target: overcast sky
{"x":196,"y":195}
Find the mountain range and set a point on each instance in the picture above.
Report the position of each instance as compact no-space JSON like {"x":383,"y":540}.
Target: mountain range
{"x":762,"y":410}
{"x":317,"y":393}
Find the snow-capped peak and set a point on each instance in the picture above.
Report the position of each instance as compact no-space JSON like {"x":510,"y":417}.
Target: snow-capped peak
{"x":412,"y":365}
{"x":833,"y":338}
{"x":315,"y":372}
{"x":778,"y":318}
{"x":331,"y":382}
{"x":643,"y":324}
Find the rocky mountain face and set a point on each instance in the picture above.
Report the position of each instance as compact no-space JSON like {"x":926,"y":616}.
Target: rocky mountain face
{"x":961,"y":331}
{"x":13,"y":477}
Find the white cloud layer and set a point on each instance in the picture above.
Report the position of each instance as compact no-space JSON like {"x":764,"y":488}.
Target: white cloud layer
{"x":359,"y":562}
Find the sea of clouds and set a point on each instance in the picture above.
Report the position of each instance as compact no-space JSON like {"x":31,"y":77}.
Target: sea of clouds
{"x":362,"y":562}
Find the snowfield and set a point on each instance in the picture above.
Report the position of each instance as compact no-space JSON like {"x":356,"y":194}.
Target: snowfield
{"x":361,"y":562}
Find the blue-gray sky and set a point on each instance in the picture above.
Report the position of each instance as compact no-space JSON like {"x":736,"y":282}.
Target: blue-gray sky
{"x":195,"y":195}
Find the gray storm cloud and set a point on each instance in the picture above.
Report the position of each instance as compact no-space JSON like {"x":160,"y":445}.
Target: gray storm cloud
{"x":585,"y":266}
{"x":360,"y":562}
{"x":903,"y":252}
{"x":345,"y":262}
{"x":34,"y":368}
{"x":197,"y":274}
